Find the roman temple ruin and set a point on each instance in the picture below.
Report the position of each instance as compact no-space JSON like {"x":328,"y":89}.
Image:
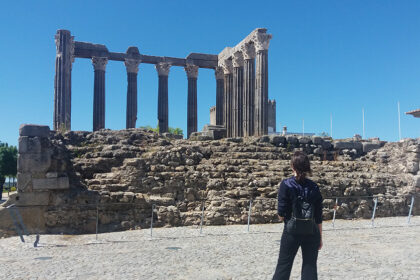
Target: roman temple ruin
{"x":241,"y":74}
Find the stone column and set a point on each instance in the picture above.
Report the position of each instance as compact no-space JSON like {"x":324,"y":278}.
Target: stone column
{"x":238,"y":82}
{"x":62,"y":82}
{"x":99,"y":65}
{"x":228,"y":83}
{"x":220,"y":110}
{"x":192,"y":73}
{"x":132,"y":66}
{"x":261,"y":41}
{"x":248,"y":51}
{"x":163,"y":72}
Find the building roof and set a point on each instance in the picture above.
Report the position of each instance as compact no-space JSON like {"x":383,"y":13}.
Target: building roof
{"x":415,"y":113}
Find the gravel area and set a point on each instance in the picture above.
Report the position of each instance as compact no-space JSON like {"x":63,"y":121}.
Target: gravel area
{"x":353,"y":250}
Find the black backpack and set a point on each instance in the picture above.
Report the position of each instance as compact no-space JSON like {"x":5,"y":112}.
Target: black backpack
{"x":302,"y":221}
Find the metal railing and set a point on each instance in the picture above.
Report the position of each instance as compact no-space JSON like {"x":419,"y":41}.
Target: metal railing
{"x":21,"y":230}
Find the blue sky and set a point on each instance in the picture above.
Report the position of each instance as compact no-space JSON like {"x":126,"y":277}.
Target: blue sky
{"x":326,"y":57}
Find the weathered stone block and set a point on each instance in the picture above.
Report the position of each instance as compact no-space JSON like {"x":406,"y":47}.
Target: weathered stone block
{"x":24,"y":181}
{"x":326,"y":145}
{"x":317,"y":140}
{"x":318,"y":151}
{"x":348,"y":145}
{"x":369,"y":146}
{"x":277,"y":139}
{"x":305,"y":140}
{"x":60,"y":183}
{"x":416,"y":181}
{"x":30,"y":199}
{"x":33,"y":130}
{"x":412,"y":167}
{"x":29,"y":144}
{"x":291,"y":139}
{"x":39,"y":162}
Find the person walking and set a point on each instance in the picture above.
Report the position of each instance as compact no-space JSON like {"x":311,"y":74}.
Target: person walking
{"x":300,"y":207}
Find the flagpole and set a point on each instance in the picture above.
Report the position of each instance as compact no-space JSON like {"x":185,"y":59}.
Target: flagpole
{"x":399,"y":121}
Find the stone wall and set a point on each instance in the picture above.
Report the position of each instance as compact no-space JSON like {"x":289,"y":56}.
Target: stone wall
{"x":65,"y":178}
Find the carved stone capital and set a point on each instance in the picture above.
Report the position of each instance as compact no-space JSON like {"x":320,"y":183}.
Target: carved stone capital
{"x":261,"y":41}
{"x":132,"y":65}
{"x":99,"y":63}
{"x":69,"y":45}
{"x":163,"y":68}
{"x":191,"y":70}
{"x":218,"y":72}
{"x":238,"y":59}
{"x":248,"y":51}
{"x":227,"y":66}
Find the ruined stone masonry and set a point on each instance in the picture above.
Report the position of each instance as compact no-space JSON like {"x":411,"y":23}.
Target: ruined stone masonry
{"x":241,"y":76}
{"x":63,"y":178}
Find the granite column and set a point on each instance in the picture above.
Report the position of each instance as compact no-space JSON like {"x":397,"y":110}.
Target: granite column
{"x":237,"y":102}
{"x":192,"y":74}
{"x":62,"y":81}
{"x":261,"y":84}
{"x":163,"y":120}
{"x":228,"y":90}
{"x":220,"y":108}
{"x":132,"y":66}
{"x":249,"y":89}
{"x":99,"y":65}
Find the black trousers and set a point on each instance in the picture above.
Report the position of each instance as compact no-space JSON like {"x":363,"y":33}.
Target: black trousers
{"x":289,"y":246}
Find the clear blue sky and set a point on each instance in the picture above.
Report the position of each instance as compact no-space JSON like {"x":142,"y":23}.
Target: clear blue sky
{"x":326,"y":57}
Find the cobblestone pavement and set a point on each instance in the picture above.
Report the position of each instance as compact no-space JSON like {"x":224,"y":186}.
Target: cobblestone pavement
{"x":353,"y":250}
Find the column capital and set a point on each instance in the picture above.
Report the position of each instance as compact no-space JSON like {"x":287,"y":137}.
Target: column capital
{"x":132,"y":65}
{"x":99,"y":63}
{"x":60,"y":45}
{"x":248,"y":51}
{"x":238,"y":59}
{"x":227,"y":66}
{"x":163,"y":68}
{"x":261,"y":41}
{"x":218,"y":72}
{"x":191,"y":70}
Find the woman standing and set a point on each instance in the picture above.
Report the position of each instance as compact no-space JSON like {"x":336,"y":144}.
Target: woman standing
{"x":300,"y":207}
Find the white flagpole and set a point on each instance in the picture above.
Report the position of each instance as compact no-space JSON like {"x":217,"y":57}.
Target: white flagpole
{"x":399,"y":121}
{"x":331,"y":134}
{"x":303,"y":127}
{"x":363,"y":116}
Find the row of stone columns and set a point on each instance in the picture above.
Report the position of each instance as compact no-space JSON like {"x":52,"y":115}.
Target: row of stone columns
{"x":245,"y":108}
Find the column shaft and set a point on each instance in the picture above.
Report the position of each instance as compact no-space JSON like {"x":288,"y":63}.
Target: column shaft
{"x":62,"y":80}
{"x":228,"y":104}
{"x":248,"y":97}
{"x":220,"y":107}
{"x":131,"y":100}
{"x":163,"y":104}
{"x":99,"y":100}
{"x":192,"y":106}
{"x":237,"y":101}
{"x":261,"y":93}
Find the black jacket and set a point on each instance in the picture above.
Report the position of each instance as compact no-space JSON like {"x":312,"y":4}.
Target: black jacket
{"x":288,"y":190}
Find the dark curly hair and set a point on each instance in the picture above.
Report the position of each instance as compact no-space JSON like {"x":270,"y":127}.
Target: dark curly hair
{"x":300,"y":164}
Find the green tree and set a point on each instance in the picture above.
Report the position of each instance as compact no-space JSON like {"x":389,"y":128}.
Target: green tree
{"x":8,"y":162}
{"x":173,"y":130}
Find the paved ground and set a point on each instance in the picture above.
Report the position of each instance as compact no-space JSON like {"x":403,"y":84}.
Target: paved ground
{"x":353,"y":250}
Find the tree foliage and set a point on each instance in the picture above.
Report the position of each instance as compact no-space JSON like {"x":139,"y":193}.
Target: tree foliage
{"x":8,"y":161}
{"x":172,"y":130}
